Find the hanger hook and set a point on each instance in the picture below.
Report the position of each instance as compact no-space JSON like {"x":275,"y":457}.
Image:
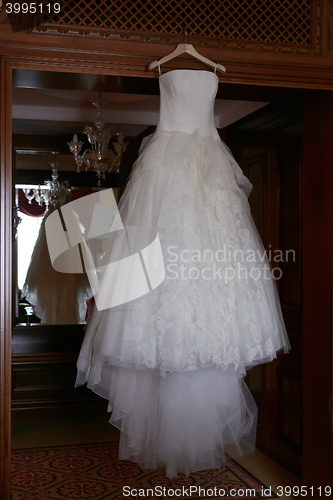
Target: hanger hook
{"x":185,"y":34}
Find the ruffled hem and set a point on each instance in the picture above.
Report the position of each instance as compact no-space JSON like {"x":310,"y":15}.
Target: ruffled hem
{"x":184,"y":422}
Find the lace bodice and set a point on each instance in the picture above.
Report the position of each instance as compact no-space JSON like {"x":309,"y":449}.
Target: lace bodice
{"x":187,"y":102}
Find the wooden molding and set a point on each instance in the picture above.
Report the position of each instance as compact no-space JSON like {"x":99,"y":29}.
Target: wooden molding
{"x":126,"y":24}
{"x":233,"y":26}
{"x":89,"y":50}
{"x":172,"y":39}
{"x":5,"y":275}
{"x":47,"y":357}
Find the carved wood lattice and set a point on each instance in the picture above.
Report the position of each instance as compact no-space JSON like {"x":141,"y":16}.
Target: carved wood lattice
{"x":262,"y":21}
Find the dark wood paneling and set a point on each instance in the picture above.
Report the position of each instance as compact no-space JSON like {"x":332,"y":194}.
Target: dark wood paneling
{"x":318,"y":291}
{"x":43,"y":385}
{"x":290,"y":409}
{"x":41,"y":339}
{"x":267,"y":144}
{"x":290,"y":286}
{"x":256,"y":170}
{"x":126,"y":51}
{"x":5,"y":274}
{"x":145,"y":85}
{"x":44,"y":371}
{"x":220,"y":23}
{"x":31,"y":79}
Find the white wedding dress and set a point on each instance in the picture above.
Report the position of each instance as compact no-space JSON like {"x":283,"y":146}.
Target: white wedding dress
{"x":172,"y":362}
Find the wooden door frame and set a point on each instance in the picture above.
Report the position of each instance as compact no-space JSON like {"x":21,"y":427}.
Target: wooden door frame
{"x":59,"y":62}
{"x":5,"y":274}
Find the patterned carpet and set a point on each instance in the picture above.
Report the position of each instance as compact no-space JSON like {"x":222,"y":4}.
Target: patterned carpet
{"x":93,"y":471}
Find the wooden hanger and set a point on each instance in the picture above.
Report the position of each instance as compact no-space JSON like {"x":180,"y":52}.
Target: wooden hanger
{"x":187,"y":48}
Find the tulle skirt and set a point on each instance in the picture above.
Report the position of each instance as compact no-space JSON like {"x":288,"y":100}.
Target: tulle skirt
{"x":184,"y":422}
{"x":171,"y":360}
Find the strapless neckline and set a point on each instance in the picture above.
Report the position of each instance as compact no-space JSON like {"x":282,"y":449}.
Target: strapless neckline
{"x":189,"y":71}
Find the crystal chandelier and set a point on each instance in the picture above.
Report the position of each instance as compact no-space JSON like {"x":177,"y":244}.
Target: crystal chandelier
{"x":99,"y":156}
{"x":58,"y":193}
{"x":36,"y":193}
{"x":52,"y":192}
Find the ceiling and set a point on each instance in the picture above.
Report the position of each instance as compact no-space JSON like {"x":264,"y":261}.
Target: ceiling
{"x":44,"y":119}
{"x":59,"y":111}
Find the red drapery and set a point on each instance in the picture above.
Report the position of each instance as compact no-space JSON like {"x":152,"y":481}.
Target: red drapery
{"x":32,"y":209}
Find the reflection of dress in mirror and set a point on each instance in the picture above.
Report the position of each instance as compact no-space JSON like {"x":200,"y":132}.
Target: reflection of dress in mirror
{"x":56,"y":298}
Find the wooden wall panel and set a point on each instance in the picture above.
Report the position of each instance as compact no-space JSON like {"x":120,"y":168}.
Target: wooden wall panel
{"x":44,"y":372}
{"x":290,"y":286}
{"x":44,"y":386}
{"x":287,"y":24}
{"x":289,"y":407}
{"x":317,"y":228}
{"x":256,"y":169}
{"x":283,"y":45}
{"x":288,"y":427}
{"x":268,"y":146}
{"x":5,"y":274}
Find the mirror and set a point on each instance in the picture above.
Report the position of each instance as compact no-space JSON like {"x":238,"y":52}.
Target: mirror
{"x":45,"y":295}
{"x":45,"y":121}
